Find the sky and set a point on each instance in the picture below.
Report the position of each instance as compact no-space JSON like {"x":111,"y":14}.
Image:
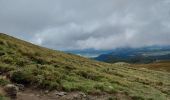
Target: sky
{"x":83,"y":24}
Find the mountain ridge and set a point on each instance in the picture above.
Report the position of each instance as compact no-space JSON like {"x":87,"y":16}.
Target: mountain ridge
{"x":137,"y":55}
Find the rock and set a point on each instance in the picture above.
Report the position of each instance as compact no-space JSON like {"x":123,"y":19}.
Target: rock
{"x":61,"y":93}
{"x":79,"y":96}
{"x":38,"y":95}
{"x":82,"y":94}
{"x":46,"y":91}
{"x":11,"y":90}
{"x":20,"y":87}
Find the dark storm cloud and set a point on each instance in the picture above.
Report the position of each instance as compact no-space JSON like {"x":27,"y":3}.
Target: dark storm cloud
{"x":81,"y":24}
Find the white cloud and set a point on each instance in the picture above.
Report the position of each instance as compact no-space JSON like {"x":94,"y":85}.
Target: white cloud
{"x":81,"y":24}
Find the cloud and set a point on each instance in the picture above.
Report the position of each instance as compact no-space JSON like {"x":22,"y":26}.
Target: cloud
{"x":82,"y":24}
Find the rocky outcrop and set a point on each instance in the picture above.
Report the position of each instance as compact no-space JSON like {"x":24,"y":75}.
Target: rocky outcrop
{"x":11,"y":91}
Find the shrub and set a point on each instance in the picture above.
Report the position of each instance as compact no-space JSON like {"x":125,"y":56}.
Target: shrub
{"x":1,"y":42}
{"x":1,"y":48}
{"x":112,"y":98}
{"x":38,"y":60}
{"x":22,"y":62}
{"x":49,"y":85}
{"x":2,"y":53}
{"x":22,"y":77}
{"x":7,"y":59}
{"x":106,"y":87}
{"x":3,"y":97}
{"x":90,"y":75}
{"x":100,"y":86}
{"x":4,"y":68}
{"x":137,"y":98}
{"x":3,"y":82}
{"x":41,"y":76}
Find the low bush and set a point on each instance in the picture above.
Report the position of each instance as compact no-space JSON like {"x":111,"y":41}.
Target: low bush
{"x":3,"y":82}
{"x":7,"y":59}
{"x":4,"y":68}
{"x":90,"y":75}
{"x":137,"y":98}
{"x":22,"y":77}
{"x":2,"y":97}
{"x":2,"y":53}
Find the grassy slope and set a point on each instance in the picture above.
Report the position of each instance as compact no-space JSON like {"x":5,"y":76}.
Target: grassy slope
{"x":32,"y":65}
{"x":160,"y":66}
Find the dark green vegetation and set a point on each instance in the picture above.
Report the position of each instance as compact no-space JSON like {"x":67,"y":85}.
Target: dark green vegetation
{"x":137,"y":55}
{"x":3,"y":98}
{"x":31,"y":65}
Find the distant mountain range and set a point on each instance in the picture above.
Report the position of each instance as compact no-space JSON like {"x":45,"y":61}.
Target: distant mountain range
{"x":89,"y":53}
{"x":131,"y":55}
{"x":136,"y":55}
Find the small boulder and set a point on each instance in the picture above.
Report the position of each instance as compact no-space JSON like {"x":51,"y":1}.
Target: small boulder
{"x":82,"y":94}
{"x":20,"y":87}
{"x":11,"y":90}
{"x":61,"y":93}
{"x":46,"y":91}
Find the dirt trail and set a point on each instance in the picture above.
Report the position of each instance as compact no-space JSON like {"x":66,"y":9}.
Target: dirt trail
{"x":29,"y":94}
{"x":39,"y":95}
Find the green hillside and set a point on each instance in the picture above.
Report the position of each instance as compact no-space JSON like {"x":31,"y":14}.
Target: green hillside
{"x":42,"y":68}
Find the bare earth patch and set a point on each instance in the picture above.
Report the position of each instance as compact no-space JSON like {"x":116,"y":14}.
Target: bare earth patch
{"x":40,"y":95}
